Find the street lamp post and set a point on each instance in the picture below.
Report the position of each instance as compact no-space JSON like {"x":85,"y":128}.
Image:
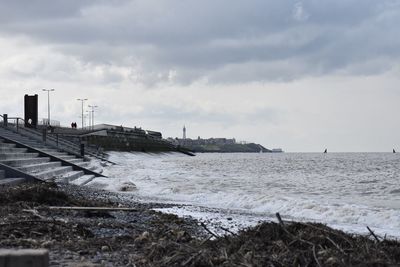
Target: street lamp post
{"x":92,"y":107}
{"x":82,"y":101}
{"x":48,"y":104}
{"x":88,"y":115}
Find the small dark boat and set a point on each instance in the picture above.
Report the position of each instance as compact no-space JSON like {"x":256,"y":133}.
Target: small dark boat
{"x":326,"y":151}
{"x":394,"y":151}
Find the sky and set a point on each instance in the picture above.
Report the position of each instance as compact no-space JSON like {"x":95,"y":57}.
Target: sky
{"x":299,"y":75}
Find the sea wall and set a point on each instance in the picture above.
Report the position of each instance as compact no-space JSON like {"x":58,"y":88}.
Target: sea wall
{"x":127,"y":143}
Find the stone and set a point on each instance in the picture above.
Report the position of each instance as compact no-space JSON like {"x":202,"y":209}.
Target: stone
{"x":24,"y":258}
{"x":127,"y":187}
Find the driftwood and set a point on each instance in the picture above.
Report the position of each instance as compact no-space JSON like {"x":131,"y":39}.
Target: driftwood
{"x":208,"y":230}
{"x":373,"y":234}
{"x":92,"y":208}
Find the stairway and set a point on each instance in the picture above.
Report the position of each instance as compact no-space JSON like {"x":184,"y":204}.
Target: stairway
{"x":31,"y":158}
{"x":9,"y":181}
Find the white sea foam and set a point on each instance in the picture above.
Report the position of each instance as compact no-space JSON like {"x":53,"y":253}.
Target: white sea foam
{"x":348,"y":191}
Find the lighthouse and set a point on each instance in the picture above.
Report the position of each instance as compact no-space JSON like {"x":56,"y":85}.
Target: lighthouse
{"x":184,"y":132}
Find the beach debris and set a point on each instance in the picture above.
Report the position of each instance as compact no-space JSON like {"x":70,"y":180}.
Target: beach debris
{"x":127,"y":187}
{"x":91,"y":208}
{"x":149,"y":238}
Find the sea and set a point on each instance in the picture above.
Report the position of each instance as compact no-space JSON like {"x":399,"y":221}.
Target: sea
{"x":347,"y":191}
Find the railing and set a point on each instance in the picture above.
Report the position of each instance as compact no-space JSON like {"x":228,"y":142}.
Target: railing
{"x":46,"y":122}
{"x":68,"y":146}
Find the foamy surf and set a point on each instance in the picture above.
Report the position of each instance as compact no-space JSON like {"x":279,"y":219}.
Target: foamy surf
{"x":345,"y":191}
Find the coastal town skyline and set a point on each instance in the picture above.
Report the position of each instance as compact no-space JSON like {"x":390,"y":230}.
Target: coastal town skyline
{"x":301,"y":75}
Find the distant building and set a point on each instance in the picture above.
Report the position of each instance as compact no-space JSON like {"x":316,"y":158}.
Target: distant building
{"x":200,"y":142}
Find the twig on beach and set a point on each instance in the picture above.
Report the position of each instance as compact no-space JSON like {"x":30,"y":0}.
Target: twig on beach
{"x":227,"y":230}
{"x":373,"y":234}
{"x":283,"y":225}
{"x":191,"y":258}
{"x":279,"y":218}
{"x":315,"y":257}
{"x":92,"y":208}
{"x":209,"y":231}
{"x":336,"y":245}
{"x":35,"y":213}
{"x":35,"y":221}
{"x":204,"y":241}
{"x":330,"y":231}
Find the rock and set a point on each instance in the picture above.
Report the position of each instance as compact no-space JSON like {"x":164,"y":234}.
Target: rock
{"x":105,"y":248}
{"x":127,"y":187}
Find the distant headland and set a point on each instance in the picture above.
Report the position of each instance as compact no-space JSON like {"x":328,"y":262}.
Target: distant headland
{"x":219,"y":145}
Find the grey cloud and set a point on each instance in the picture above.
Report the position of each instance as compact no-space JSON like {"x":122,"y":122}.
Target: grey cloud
{"x":196,"y":114}
{"x":220,"y":41}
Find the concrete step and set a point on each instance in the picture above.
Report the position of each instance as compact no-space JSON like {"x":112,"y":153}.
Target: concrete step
{"x":18,"y":137}
{"x":53,"y":173}
{"x":11,"y":181}
{"x":6,"y":156}
{"x":14,"y":136}
{"x":40,"y":147}
{"x":51,"y":150}
{"x":35,"y":168}
{"x":12,"y":149}
{"x":83,"y":164}
{"x":23,"y":162}
{"x":67,"y":158}
{"x":54,"y":152}
{"x":31,"y":143}
{"x":2,"y":174}
{"x":77,"y":160}
{"x":70,"y":176}
{"x":27,"y":142}
{"x":2,"y":144}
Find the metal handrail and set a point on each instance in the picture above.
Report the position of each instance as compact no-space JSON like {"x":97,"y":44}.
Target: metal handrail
{"x":56,"y":140}
{"x":37,"y":133}
{"x":39,"y":137}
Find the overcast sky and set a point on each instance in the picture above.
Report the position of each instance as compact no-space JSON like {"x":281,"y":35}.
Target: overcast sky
{"x":300,"y":75}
